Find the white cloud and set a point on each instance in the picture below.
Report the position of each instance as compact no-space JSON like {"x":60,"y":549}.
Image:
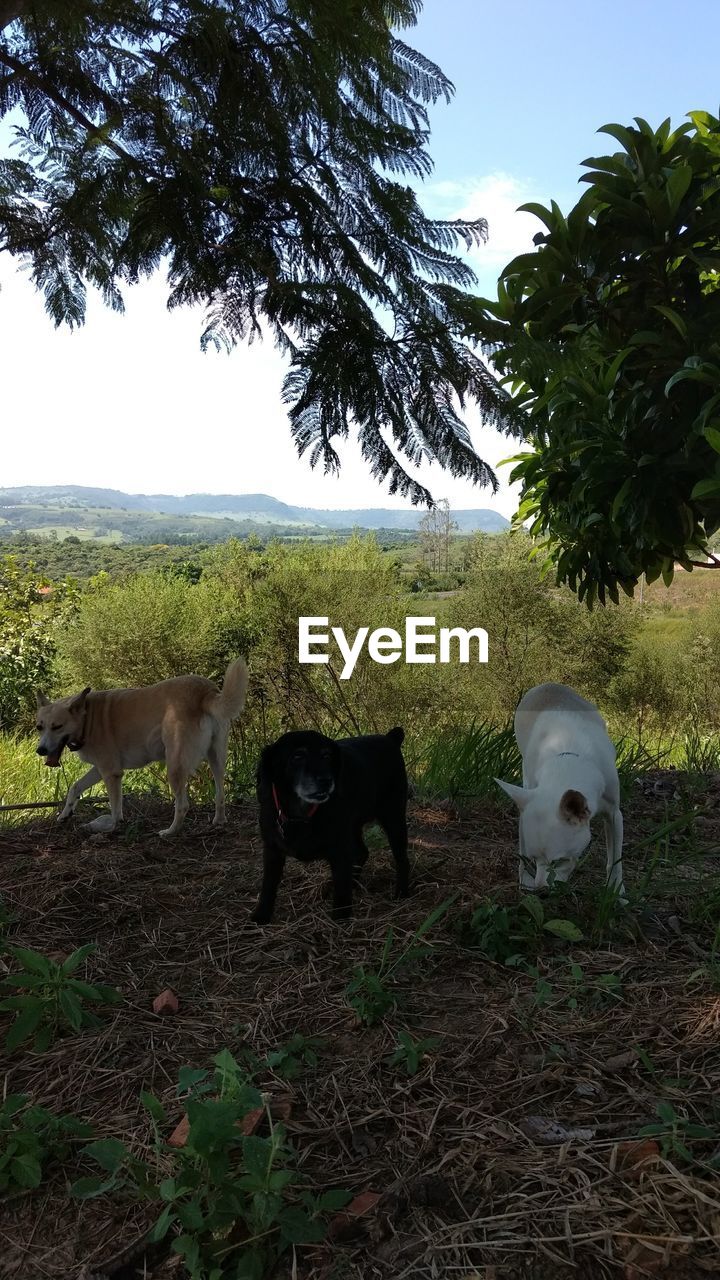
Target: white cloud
{"x":496,"y":198}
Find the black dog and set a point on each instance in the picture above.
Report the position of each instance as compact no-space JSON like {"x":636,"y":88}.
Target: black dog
{"x":315,"y":795}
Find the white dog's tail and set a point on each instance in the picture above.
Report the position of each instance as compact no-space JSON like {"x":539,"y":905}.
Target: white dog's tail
{"x":228,"y":704}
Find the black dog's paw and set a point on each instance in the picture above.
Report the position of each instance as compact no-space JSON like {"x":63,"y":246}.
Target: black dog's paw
{"x":261,"y":916}
{"x":402,"y":891}
{"x":342,"y":913}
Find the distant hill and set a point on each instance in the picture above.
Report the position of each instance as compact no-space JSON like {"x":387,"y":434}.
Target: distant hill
{"x":30,"y":506}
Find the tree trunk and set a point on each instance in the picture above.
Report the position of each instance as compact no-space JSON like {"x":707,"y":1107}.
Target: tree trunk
{"x":10,"y":10}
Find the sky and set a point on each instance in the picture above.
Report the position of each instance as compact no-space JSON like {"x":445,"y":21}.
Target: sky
{"x":129,"y":402}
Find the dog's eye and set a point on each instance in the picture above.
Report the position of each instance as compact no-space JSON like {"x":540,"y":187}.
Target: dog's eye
{"x":39,"y":728}
{"x":298,"y":755}
{"x":56,"y":726}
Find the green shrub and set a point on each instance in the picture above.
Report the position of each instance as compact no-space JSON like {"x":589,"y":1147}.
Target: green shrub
{"x":30,"y":1137}
{"x":49,"y":998}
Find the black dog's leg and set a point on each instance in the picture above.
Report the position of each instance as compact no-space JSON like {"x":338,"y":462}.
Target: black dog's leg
{"x":360,"y":854}
{"x":273,"y":867}
{"x":395,"y":828}
{"x":342,"y":886}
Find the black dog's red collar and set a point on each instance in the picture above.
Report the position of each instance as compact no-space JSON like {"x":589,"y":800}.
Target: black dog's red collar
{"x":282,"y":818}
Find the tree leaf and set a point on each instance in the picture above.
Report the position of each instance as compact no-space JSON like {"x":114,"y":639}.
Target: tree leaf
{"x":564,"y":929}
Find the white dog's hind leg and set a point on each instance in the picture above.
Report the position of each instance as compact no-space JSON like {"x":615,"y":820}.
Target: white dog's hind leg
{"x":76,"y":790}
{"x":178,"y":781}
{"x":109,"y":821}
{"x":217,"y":756}
{"x":614,"y":843}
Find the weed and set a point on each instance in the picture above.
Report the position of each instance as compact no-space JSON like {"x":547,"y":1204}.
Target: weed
{"x":508,"y":934}
{"x":233,"y":1203}
{"x":369,"y":992}
{"x":604,"y":989}
{"x":30,"y":1137}
{"x":410,"y":1053}
{"x":292,"y":1058}
{"x":674,"y":1132}
{"x":51,"y":999}
{"x":467,"y":762}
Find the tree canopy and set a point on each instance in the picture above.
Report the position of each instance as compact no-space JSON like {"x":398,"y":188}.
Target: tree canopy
{"x":262,"y":149}
{"x":609,"y":337}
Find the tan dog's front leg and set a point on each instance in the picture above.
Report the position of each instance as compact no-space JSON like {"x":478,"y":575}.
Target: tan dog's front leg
{"x":109,"y":821}
{"x":76,"y":790}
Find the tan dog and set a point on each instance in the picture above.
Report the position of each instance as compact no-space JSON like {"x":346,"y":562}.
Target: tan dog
{"x":183,"y":721}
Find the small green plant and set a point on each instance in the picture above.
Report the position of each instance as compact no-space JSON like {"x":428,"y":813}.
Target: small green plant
{"x":233,"y":1203}
{"x":369,"y":992}
{"x":410,"y":1053}
{"x":508,"y":934}
{"x":230,"y":1081}
{"x":50,"y":998}
{"x":30,"y":1137}
{"x":292,"y":1058}
{"x":674,"y":1131}
{"x":606,"y":988}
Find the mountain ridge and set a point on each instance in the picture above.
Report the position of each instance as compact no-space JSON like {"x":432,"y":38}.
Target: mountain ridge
{"x":259,"y":508}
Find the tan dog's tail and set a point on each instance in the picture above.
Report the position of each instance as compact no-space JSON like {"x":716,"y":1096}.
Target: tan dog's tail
{"x":228,"y":704}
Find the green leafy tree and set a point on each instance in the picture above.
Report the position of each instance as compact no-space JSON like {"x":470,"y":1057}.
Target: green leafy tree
{"x":262,"y":151}
{"x":610,"y":337}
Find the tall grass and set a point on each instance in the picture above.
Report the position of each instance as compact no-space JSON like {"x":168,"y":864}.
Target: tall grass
{"x":465,"y":762}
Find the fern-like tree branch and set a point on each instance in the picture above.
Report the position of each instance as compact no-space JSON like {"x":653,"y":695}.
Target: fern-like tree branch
{"x":264,"y":152}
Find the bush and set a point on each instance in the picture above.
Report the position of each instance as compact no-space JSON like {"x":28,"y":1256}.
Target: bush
{"x":138,"y":632}
{"x":28,"y":627}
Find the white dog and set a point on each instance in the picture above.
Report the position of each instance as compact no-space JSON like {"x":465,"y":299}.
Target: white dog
{"x":569,"y":775}
{"x":182,"y":721}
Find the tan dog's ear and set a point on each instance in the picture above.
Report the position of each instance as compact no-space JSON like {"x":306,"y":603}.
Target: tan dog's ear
{"x":78,"y":703}
{"x":574,"y":807}
{"x":40,"y":699}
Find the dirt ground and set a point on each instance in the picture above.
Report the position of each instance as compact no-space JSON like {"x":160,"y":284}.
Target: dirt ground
{"x":512,"y":1153}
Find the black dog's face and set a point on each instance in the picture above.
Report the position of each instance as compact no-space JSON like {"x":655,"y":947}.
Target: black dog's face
{"x":308,"y":765}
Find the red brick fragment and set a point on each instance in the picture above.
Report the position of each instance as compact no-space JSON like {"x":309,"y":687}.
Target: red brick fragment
{"x":251,"y":1122}
{"x":178,"y":1137}
{"x":166,"y":1002}
{"x":631,"y":1156}
{"x":345,"y":1222}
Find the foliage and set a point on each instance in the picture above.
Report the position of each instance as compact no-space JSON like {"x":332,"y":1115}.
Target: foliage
{"x":369,"y":992}
{"x":411,"y":1053}
{"x":467,"y":763}
{"x":50,"y":998}
{"x":264,"y":150}
{"x":537,"y":632}
{"x":234,"y":1203}
{"x":31,"y":1137}
{"x":508,"y":934}
{"x":292,"y":1058}
{"x":609,"y":336}
{"x":675,"y":1131}
{"x":27,"y":637}
{"x":147,"y":629}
